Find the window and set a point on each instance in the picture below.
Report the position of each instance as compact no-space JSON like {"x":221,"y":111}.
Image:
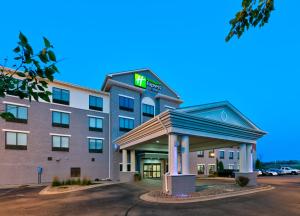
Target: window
{"x":231,"y":155}
{"x":238,"y":155}
{"x":15,"y":140}
{"x":211,"y":168}
{"x":75,"y":172}
{"x":60,"y":119}
{"x":60,"y":143}
{"x":17,"y":88}
{"x":200,"y":153}
{"x":95,"y":124}
{"x":60,"y":96}
{"x":126,"y":103}
{"x":95,"y":145}
{"x":211,"y":154}
{"x":148,"y":110}
{"x":95,"y":103}
{"x":231,"y":166}
{"x":200,"y":169}
{"x":20,"y":113}
{"x":222,"y":154}
{"x":126,"y":124}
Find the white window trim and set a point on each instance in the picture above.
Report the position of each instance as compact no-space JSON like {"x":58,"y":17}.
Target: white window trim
{"x":16,"y":131}
{"x":126,"y":96}
{"x":99,"y":138}
{"x":93,"y":116}
{"x":56,"y":110}
{"x":55,"y":134}
{"x":120,"y":116}
{"x":169,"y":107}
{"x":17,"y":104}
{"x":232,"y":165}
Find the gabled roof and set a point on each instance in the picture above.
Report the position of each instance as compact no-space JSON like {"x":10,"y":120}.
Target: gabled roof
{"x":108,"y":76}
{"x":215,"y":105}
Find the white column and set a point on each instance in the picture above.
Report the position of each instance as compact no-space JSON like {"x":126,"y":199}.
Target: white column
{"x":132,"y":160}
{"x":172,"y":156}
{"x":249,"y":157}
{"x":185,"y":154}
{"x":124,"y":160}
{"x":243,"y":159}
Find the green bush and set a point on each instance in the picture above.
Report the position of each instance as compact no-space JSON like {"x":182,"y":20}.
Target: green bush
{"x":242,"y":181}
{"x":137,"y":177}
{"x":86,"y":181}
{"x":56,"y":182}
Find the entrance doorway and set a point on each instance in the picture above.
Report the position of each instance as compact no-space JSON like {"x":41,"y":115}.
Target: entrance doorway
{"x":152,"y":171}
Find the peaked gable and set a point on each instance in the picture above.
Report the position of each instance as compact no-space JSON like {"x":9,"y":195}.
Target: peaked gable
{"x":156,"y":84}
{"x":222,"y":112}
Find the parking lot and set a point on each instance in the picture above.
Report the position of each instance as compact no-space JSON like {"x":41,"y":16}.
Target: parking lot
{"x":123,"y":199}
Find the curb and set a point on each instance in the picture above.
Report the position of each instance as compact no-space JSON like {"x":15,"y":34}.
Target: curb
{"x":46,"y":191}
{"x":148,"y":198}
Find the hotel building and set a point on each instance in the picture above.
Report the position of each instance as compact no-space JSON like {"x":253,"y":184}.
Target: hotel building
{"x":78,"y":134}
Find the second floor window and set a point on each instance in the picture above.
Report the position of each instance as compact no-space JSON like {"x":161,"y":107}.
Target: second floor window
{"x":60,"y":119}
{"x":95,"y":145}
{"x":148,"y":110}
{"x":222,"y":154}
{"x":60,"y":143}
{"x":15,"y":140}
{"x":95,"y":124}
{"x":231,"y":155}
{"x":126,"y":124}
{"x":61,"y":96}
{"x":95,"y":103}
{"x":200,"y":153}
{"x":20,"y":113}
{"x":126,"y":103}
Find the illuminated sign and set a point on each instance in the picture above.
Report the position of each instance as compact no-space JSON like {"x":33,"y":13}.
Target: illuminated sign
{"x":142,"y":82}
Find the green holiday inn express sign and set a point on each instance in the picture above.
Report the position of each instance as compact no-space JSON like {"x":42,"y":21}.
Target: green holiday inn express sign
{"x":142,"y":82}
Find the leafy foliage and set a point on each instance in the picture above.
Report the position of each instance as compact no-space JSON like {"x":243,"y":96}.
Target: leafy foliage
{"x":30,"y":73}
{"x":258,"y":164}
{"x":242,"y":181}
{"x":253,"y":13}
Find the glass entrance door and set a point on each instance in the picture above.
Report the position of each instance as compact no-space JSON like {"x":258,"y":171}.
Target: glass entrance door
{"x":152,"y":171}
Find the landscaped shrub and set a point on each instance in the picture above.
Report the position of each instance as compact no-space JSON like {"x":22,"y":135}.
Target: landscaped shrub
{"x":242,"y":181}
{"x":226,"y":173}
{"x":56,"y":182}
{"x":137,"y":177}
{"x":85,"y":181}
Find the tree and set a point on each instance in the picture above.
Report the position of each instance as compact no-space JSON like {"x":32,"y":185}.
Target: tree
{"x":258,"y":164}
{"x":220,"y":166}
{"x":253,"y":13}
{"x":30,"y":74}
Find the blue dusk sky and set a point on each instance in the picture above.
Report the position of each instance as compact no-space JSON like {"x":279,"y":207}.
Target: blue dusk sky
{"x":183,"y":42}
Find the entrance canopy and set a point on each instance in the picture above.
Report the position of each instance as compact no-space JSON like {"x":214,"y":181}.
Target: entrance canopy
{"x":209,"y":126}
